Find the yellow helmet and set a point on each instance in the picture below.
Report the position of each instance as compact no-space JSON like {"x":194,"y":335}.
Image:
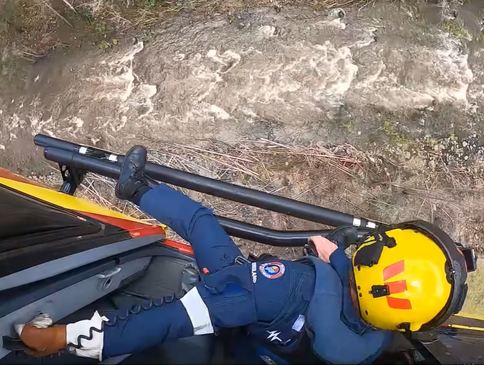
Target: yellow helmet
{"x":409,"y":277}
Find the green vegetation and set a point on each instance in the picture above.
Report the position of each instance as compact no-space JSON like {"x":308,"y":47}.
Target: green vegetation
{"x":395,"y":137}
{"x":456,"y":29}
{"x":7,"y":65}
{"x":86,"y":14}
{"x":347,"y":124}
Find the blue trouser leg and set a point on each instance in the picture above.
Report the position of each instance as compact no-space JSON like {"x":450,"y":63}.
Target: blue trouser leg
{"x":213,"y":248}
{"x":181,"y":318}
{"x":145,"y":329}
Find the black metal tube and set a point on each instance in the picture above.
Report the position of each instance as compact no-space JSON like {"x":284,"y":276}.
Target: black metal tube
{"x":268,"y":236}
{"x":42,"y":140}
{"x":218,"y":188}
{"x":233,"y":227}
{"x":73,"y":159}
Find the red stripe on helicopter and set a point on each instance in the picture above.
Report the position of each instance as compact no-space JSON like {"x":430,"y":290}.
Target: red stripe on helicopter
{"x":182,"y":247}
{"x":135,"y":229}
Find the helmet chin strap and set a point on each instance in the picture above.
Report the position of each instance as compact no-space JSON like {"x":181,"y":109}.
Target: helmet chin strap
{"x":353,"y":293}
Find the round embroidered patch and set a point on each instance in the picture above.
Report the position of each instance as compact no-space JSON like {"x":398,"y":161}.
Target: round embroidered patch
{"x":272,"y":270}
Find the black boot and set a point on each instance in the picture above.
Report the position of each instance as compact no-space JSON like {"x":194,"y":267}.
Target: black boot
{"x":132,"y":182}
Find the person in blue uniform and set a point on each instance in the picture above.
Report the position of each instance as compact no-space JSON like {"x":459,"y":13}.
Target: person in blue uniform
{"x":280,"y":304}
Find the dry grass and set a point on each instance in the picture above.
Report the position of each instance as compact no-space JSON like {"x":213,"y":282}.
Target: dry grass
{"x":47,"y":4}
{"x":33,"y":28}
{"x":142,"y":14}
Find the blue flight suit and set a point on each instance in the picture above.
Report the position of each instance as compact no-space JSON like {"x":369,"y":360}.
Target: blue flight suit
{"x":269,"y":298}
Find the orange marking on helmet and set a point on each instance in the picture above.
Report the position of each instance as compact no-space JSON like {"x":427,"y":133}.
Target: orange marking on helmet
{"x":399,"y":303}
{"x":393,"y":269}
{"x":395,"y":287}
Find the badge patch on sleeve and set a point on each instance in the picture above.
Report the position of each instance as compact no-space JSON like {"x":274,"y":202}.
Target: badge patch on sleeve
{"x":272,"y":270}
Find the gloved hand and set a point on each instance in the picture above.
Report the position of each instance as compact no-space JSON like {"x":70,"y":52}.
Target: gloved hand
{"x":83,"y":338}
{"x":344,"y":236}
{"x":323,"y":247}
{"x":341,"y":237}
{"x":40,"y":337}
